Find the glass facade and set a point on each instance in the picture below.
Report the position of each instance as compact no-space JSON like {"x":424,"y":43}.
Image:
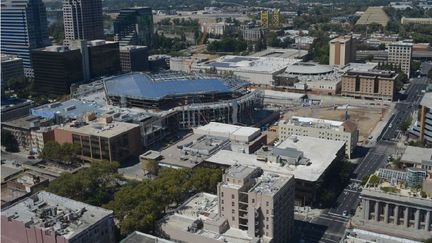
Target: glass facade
{"x":134,"y":27}
{"x":23,"y":27}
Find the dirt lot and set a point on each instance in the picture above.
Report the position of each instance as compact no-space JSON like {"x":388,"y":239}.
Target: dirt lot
{"x":365,"y":118}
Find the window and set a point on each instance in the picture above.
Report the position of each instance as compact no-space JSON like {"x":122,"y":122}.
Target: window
{"x":232,"y":196}
{"x":233,"y":211}
{"x":222,"y":209}
{"x":221,"y":194}
{"x":253,"y":200}
{"x":267,"y":204}
{"x":233,"y":218}
{"x":233,"y":204}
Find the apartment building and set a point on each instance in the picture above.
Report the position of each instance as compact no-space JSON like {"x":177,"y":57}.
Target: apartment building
{"x":345,"y":131}
{"x":46,"y":217}
{"x":261,"y":204}
{"x":342,"y":50}
{"x":102,"y":139}
{"x":422,"y":128}
{"x":400,"y":54}
{"x":372,"y":84}
{"x":251,"y":206}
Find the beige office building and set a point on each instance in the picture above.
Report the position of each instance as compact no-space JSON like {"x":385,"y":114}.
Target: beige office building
{"x":400,"y":54}
{"x":342,"y":50}
{"x":319,"y":128}
{"x":379,"y":85}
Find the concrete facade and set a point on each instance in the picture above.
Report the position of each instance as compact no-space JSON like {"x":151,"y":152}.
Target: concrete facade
{"x":422,"y":128}
{"x":341,"y":50}
{"x":319,"y":128}
{"x":393,"y":214}
{"x":114,"y":141}
{"x":400,"y":54}
{"x":369,"y":85}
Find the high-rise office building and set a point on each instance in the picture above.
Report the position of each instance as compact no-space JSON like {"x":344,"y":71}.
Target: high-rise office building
{"x":134,"y":58}
{"x":104,"y":58}
{"x":83,"y":20}
{"x":134,"y":26}
{"x":56,"y":68}
{"x":400,"y":55}
{"x":23,"y":27}
{"x":342,"y":50}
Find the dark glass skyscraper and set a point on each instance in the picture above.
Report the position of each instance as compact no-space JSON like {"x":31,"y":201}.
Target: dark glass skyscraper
{"x":134,"y":26}
{"x":83,"y":20}
{"x":23,"y":27}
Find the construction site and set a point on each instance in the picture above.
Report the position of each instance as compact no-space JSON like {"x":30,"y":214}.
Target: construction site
{"x":366,"y":117}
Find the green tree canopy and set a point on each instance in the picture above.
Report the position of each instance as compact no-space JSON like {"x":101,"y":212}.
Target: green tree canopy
{"x":94,"y":185}
{"x":9,"y":141}
{"x":137,"y":206}
{"x":66,"y":153}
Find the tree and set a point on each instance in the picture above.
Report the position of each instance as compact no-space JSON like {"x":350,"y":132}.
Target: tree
{"x":138,"y":206}
{"x":94,"y":185}
{"x":429,"y":74}
{"x":9,"y":141}
{"x":405,"y":125}
{"x":66,"y":153}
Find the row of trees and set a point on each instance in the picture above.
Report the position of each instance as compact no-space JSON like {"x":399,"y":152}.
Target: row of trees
{"x":66,"y":153}
{"x":228,"y":44}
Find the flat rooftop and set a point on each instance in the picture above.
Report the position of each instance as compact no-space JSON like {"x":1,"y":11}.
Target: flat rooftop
{"x":321,"y":154}
{"x":100,"y":129}
{"x":203,"y":206}
{"x":230,"y":131}
{"x":173,"y":156}
{"x":71,"y":109}
{"x":239,"y":171}
{"x":146,"y":87}
{"x":314,"y":122}
{"x":26,"y":122}
{"x":427,"y":100}
{"x":416,"y":154}
{"x":139,"y":237}
{"x":249,"y":63}
{"x":46,"y":210}
{"x":304,"y":68}
{"x":270,"y":183}
{"x":282,"y":53}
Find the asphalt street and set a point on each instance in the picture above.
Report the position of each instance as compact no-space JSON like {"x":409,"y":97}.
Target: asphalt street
{"x":330,"y":226}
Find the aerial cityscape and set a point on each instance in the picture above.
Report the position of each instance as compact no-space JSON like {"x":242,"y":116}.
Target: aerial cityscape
{"x":237,"y":121}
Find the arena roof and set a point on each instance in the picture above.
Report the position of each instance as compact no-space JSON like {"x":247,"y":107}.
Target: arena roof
{"x":142,"y":86}
{"x":303,"y":68}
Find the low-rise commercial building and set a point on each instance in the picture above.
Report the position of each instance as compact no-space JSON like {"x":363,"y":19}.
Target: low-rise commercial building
{"x":46,"y":217}
{"x":13,"y":108}
{"x":102,"y":139}
{"x":242,"y":139}
{"x":221,"y":28}
{"x":257,"y":70}
{"x":307,"y":158}
{"x":345,"y":131}
{"x":417,"y":156}
{"x":28,"y":132}
{"x":372,"y":84}
{"x":425,"y":21}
